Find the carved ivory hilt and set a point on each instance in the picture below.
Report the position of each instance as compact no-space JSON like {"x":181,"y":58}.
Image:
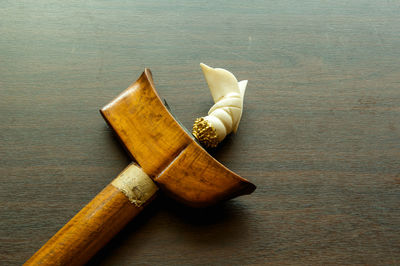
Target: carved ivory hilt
{"x":224,"y":116}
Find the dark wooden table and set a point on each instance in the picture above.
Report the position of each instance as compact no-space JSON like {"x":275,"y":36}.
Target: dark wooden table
{"x":320,"y":133}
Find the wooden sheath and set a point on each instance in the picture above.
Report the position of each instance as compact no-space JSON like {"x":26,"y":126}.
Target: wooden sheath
{"x":168,"y":155}
{"x":89,"y":230}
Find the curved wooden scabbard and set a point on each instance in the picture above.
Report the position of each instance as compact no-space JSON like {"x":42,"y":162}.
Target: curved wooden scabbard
{"x":166,"y":153}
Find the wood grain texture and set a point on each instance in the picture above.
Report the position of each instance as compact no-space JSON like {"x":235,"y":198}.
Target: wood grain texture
{"x":145,"y":127}
{"x":88,"y":231}
{"x":319,"y":136}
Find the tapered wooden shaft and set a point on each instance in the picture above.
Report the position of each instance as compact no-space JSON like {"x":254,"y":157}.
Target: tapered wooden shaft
{"x":89,"y":230}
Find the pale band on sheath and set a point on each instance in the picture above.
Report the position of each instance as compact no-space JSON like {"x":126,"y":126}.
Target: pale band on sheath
{"x":135,"y":184}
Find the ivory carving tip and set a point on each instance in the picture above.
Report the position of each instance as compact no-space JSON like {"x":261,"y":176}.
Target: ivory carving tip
{"x":224,"y":116}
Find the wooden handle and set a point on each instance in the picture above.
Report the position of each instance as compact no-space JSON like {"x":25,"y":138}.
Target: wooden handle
{"x":90,"y":229}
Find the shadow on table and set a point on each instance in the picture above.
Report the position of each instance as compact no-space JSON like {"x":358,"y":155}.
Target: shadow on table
{"x":194,"y":227}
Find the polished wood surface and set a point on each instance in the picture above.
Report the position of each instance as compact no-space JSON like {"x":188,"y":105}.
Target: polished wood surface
{"x":89,"y":230}
{"x":319,"y":136}
{"x":166,"y":152}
